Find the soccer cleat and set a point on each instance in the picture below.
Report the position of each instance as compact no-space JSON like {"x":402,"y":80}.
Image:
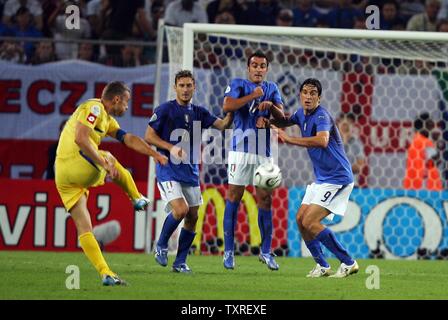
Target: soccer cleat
{"x":268,"y":259}
{"x":113,"y":280}
{"x":319,"y":271}
{"x":161,"y":256}
{"x":182,"y":268}
{"x":229,"y":262}
{"x":141,"y":204}
{"x":345,"y":270}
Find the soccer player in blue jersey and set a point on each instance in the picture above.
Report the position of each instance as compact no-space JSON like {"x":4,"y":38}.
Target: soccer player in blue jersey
{"x":249,"y":100}
{"x":330,"y":192}
{"x":178,"y":181}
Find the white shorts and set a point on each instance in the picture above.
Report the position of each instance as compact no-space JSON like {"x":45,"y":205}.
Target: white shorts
{"x":333,"y":197}
{"x":171,"y":190}
{"x":241,"y":167}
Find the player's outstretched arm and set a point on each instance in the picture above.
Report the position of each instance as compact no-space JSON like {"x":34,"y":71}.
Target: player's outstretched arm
{"x":82,"y":134}
{"x":232,"y":104}
{"x":153,"y":138}
{"x":222,"y":124}
{"x":277,"y":111}
{"x":320,"y":140}
{"x":281,"y":123}
{"x":138,"y":144}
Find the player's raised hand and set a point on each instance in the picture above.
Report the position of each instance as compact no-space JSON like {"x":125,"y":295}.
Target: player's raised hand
{"x":258,"y":92}
{"x":262,"y":123}
{"x":161,"y":159}
{"x":178,"y":153}
{"x":265,"y":105}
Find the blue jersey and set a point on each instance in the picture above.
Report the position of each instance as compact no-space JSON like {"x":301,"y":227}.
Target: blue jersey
{"x":330,"y":164}
{"x":170,"y":116}
{"x":246,"y":135}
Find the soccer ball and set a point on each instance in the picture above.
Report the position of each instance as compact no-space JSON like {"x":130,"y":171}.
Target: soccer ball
{"x":267,"y":176}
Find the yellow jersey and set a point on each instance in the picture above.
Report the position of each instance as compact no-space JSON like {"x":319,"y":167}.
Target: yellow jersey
{"x":92,"y":114}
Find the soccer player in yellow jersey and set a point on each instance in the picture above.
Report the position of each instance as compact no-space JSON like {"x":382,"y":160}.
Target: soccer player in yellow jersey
{"x":80,"y":165}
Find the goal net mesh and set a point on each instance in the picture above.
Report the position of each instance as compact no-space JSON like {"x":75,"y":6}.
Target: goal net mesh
{"x":384,"y":84}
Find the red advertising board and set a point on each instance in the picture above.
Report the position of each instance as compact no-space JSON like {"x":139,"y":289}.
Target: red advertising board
{"x":32,"y":217}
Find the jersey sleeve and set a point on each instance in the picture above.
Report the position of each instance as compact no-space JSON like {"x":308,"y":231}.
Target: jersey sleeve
{"x":234,"y":89}
{"x":157,"y":121}
{"x":276,"y":96}
{"x":89,"y":114}
{"x":294,"y":118}
{"x":207,"y":119}
{"x":323,"y":122}
{"x":113,"y":126}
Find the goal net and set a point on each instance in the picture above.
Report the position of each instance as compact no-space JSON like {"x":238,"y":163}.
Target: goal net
{"x":382,"y":80}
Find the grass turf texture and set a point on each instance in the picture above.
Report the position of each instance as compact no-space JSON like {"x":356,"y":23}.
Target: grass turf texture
{"x":41,"y":275}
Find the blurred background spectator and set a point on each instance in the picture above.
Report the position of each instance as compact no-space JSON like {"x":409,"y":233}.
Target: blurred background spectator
{"x":343,"y":15}
{"x":182,"y":11}
{"x":225,"y":17}
{"x":66,"y":50}
{"x":427,"y":20}
{"x":11,"y":51}
{"x":390,"y":18}
{"x":285,"y":18}
{"x":34,"y":8}
{"x":117,"y":20}
{"x":235,"y":7}
{"x":86,"y":52}
{"x":130,"y":56}
{"x":44,"y":53}
{"x":305,"y":15}
{"x":409,"y":8}
{"x":263,"y":12}
{"x":422,"y":155}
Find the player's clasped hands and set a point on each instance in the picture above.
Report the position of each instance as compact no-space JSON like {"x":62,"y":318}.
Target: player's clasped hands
{"x":262,"y":123}
{"x":258,"y":92}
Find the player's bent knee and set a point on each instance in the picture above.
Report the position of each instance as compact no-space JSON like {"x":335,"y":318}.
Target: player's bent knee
{"x":308,"y":223}
{"x":180,"y":212}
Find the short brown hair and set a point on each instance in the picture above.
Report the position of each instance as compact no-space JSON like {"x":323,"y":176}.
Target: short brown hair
{"x":183,"y":74}
{"x":115,"y":88}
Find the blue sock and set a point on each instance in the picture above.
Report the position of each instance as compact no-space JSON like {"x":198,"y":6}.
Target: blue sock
{"x":185,"y":240}
{"x":230,"y":218}
{"x":316,"y":252}
{"x":328,"y":239}
{"x":168,"y":228}
{"x":265,"y":224}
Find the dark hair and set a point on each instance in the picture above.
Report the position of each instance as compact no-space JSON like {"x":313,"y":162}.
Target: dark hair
{"x":115,"y":88}
{"x":312,"y":82}
{"x":156,"y":5}
{"x":22,"y":10}
{"x":183,"y":74}
{"x":258,"y":54}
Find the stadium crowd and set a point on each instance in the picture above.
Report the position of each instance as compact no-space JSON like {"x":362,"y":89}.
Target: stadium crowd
{"x":137,"y":20}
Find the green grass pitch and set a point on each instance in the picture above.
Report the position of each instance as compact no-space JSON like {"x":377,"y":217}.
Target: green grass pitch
{"x":41,"y":275}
